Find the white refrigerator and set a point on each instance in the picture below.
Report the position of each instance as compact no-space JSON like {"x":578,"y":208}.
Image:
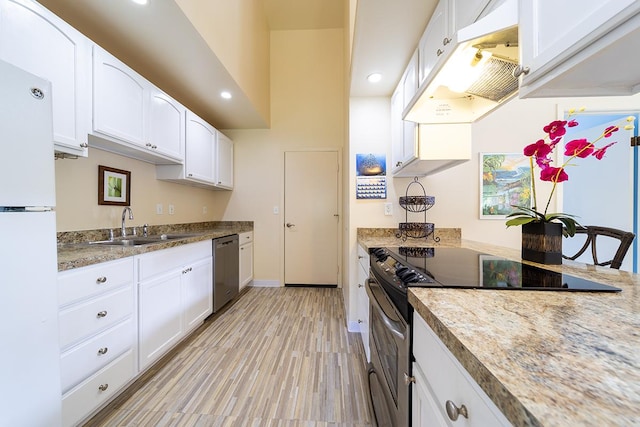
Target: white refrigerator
{"x":29,"y":350}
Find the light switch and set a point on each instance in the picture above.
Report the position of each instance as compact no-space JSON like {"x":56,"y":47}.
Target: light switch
{"x":171,"y":210}
{"x":388,"y":209}
{"x":159,"y":209}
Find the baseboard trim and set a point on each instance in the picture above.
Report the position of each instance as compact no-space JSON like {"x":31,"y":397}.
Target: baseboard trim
{"x":308,"y":285}
{"x":265,"y":284}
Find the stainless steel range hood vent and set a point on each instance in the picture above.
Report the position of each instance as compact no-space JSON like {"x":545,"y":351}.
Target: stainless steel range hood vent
{"x":477,"y":75}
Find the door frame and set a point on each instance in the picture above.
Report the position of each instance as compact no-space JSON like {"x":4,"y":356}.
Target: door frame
{"x":339,"y":183}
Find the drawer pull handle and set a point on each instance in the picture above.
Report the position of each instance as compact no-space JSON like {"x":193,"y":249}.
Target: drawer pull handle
{"x":101,"y":279}
{"x":103,"y":350}
{"x":439,"y":52}
{"x":102,"y":313}
{"x":103,"y":387}
{"x":453,"y":411}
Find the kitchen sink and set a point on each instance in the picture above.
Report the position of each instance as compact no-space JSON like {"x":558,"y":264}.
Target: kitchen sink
{"x":173,"y":236}
{"x":127,"y":242}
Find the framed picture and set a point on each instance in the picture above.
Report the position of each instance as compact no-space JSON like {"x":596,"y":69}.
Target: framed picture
{"x":499,"y":272}
{"x":114,"y":186}
{"x":505,"y":181}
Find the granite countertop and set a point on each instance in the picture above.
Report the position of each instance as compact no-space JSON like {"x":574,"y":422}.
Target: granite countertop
{"x":74,"y":250}
{"x":544,"y":358}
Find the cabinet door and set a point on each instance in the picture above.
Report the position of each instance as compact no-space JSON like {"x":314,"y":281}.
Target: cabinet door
{"x":224,"y":161}
{"x":37,"y":41}
{"x":424,"y":408}
{"x":166,"y":125}
{"x":397,"y":129}
{"x":160,"y":316}
{"x":552,"y":31}
{"x":120,"y":99}
{"x":435,"y":40}
{"x":363,"y":307}
{"x":465,"y":12}
{"x":200,"y":149}
{"x":246,"y":264}
{"x":197,"y":285}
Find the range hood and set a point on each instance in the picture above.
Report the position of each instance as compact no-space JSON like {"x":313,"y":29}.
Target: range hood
{"x":476,"y":76}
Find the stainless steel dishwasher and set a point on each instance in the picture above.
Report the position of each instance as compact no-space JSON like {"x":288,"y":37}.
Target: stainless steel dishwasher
{"x":226,"y":275}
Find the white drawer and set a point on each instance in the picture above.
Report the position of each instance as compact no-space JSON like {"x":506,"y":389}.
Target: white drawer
{"x":89,"y":317}
{"x":448,"y":380}
{"x":79,"y":283}
{"x":158,"y":262}
{"x":246,"y":237}
{"x":92,"y":355}
{"x":97,"y":389}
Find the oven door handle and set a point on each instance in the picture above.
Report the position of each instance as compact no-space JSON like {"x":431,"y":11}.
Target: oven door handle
{"x":396,"y":328}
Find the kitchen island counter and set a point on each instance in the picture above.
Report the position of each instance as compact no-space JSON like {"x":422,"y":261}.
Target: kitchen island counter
{"x":74,"y":250}
{"x":546,"y":358}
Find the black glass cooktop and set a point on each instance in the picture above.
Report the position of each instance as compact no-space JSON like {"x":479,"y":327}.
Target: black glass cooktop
{"x":466,"y":268}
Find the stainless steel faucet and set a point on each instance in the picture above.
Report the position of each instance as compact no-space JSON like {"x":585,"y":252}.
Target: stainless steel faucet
{"x":124,"y":213}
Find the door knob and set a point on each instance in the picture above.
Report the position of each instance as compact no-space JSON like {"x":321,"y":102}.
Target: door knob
{"x":289,"y":225}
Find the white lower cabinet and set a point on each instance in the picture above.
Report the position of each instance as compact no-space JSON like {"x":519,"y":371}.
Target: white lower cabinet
{"x":441,"y":381}
{"x":97,"y":321}
{"x":363,"y":299}
{"x":246,"y":258}
{"x":97,"y":389}
{"x":175,"y":295}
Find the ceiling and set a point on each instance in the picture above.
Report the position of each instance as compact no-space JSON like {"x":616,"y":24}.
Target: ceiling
{"x":385,"y":35}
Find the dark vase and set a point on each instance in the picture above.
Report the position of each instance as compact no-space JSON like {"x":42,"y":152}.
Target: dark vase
{"x":542,"y":242}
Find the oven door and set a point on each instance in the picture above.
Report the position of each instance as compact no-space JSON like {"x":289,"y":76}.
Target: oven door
{"x":389,"y":341}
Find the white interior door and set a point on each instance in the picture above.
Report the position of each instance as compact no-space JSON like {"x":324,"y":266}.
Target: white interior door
{"x":311,"y":218}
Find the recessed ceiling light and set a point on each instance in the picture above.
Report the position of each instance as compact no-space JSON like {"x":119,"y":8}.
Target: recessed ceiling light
{"x":140,"y":1}
{"x":225,"y":95}
{"x":374,"y":78}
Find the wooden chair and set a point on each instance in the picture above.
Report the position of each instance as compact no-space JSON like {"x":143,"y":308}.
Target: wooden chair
{"x":592,"y":232}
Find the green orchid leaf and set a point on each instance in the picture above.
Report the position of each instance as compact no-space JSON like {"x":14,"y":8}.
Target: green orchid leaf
{"x":520,"y":221}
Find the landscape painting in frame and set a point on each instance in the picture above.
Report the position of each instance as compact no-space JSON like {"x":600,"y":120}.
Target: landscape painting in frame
{"x":505,"y":182}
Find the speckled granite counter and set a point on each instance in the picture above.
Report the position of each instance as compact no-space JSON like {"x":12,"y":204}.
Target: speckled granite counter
{"x":545,"y":358}
{"x":74,"y":251}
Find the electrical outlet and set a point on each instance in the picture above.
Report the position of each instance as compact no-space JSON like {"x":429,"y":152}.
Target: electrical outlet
{"x":159,"y":209}
{"x":276,"y":210}
{"x":172,"y":210}
{"x":388,"y":209}
{"x":204,"y":210}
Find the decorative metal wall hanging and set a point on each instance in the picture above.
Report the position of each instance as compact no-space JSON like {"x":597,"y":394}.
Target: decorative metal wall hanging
{"x":416,"y":204}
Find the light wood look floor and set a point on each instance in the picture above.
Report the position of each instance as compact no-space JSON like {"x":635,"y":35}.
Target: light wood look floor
{"x":276,"y":357}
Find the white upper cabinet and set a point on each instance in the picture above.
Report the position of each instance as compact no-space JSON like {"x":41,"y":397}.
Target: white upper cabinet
{"x":403,"y":133}
{"x":131,"y":116}
{"x":224,"y":162}
{"x":120,"y":99}
{"x":166,"y":125}
{"x":436,"y":39}
{"x":208,"y":158}
{"x":34,"y":39}
{"x":578,"y":48}
{"x":201,"y":146}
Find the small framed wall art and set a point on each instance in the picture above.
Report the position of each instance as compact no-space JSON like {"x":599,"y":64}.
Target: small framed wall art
{"x":114,"y":186}
{"x":505,"y":181}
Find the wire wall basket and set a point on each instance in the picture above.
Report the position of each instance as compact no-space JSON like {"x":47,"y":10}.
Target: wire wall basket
{"x":416,"y":204}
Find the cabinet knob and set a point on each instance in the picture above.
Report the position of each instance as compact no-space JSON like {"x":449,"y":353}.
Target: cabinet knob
{"x":103,"y":387}
{"x":439,"y":52}
{"x":453,"y":411}
{"x":103,"y":350}
{"x":398,"y":164}
{"x":148,"y":144}
{"x":519,"y":70}
{"x":408,"y":380}
{"x":446,"y":41}
{"x":101,"y":279}
{"x":84,"y":145}
{"x":360,"y":321}
{"x":360,"y":285}
{"x":102,"y":313}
